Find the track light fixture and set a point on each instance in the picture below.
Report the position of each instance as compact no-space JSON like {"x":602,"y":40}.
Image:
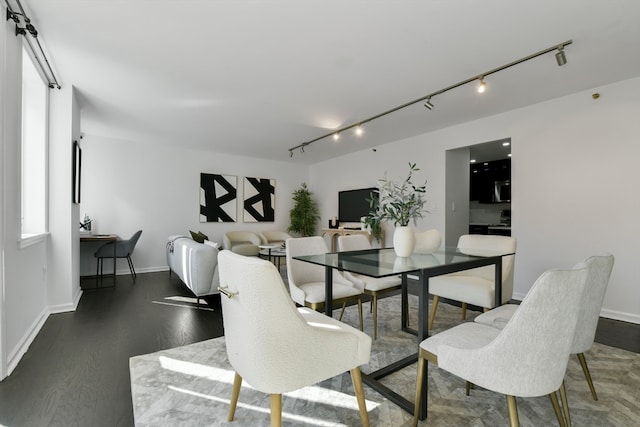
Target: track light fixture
{"x":482,"y":86}
{"x":560,"y":58}
{"x":428,"y":104}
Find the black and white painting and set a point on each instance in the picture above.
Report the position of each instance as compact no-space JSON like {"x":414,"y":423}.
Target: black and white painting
{"x":218,"y":194}
{"x":259,"y":199}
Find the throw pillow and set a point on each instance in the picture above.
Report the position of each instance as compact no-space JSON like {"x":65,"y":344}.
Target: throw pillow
{"x":214,"y":244}
{"x":199,"y":236}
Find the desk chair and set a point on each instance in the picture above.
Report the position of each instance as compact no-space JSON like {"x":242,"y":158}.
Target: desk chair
{"x":117,"y":249}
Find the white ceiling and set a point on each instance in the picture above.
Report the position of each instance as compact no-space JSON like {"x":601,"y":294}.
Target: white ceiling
{"x":259,"y":77}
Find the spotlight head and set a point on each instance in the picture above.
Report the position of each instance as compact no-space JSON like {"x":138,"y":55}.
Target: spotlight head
{"x":359,"y":130}
{"x":482,"y":86}
{"x":561,"y":58}
{"x":336,"y":136}
{"x":428,"y":104}
{"x":290,"y":153}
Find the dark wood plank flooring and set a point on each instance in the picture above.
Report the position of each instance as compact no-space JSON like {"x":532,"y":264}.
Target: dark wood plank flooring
{"x":76,"y":372}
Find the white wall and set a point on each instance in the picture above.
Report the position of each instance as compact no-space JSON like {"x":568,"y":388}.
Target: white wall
{"x":574,"y":174}
{"x":128,"y":186}
{"x":23,"y":307}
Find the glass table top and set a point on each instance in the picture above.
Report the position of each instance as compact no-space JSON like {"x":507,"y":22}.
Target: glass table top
{"x":384,"y":262}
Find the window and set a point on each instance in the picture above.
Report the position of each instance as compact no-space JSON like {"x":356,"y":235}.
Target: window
{"x":34,"y":149}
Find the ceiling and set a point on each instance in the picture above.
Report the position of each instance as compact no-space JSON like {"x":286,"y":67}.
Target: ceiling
{"x":255,"y":78}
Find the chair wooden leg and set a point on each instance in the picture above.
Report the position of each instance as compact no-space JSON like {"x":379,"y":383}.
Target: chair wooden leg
{"x":434,"y":307}
{"x":464,"y":311}
{"x":344,"y":305}
{"x":237,"y":382}
{"x":565,"y":405}
{"x":356,"y":378}
{"x":556,"y":408}
{"x":513,"y":411}
{"x":587,"y":375}
{"x":419,"y":381}
{"x":360,"y":313}
{"x":276,"y":410}
{"x":468,"y":388}
{"x":374,"y":302}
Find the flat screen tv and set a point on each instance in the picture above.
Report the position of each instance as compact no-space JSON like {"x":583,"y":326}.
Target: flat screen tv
{"x":354,"y":204}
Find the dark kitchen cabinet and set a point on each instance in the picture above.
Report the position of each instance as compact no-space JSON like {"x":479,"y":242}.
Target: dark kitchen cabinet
{"x":483,"y":178}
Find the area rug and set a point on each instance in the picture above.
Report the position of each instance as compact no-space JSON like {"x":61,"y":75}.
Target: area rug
{"x":191,"y":386}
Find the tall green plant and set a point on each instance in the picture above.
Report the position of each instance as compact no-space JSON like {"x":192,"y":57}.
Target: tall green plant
{"x":305,"y":214}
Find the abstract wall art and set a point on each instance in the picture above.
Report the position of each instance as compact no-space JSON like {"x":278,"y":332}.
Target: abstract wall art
{"x":259,"y":199}
{"x":218,"y":194}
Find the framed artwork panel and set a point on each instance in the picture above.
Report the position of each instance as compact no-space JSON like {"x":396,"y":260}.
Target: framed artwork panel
{"x":218,"y":194}
{"x":259,"y":199}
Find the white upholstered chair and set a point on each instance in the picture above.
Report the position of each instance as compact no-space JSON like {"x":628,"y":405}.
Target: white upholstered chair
{"x":307,"y":281}
{"x":272,"y":237}
{"x":475,"y":286}
{"x":275,"y":347}
{"x":528,"y":358}
{"x":242,"y":242}
{"x":372,"y":286}
{"x":427,"y":241}
{"x":599,"y":267}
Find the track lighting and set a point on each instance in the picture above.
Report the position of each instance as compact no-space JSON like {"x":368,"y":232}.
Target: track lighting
{"x":482,"y":86}
{"x":428,"y":104}
{"x":290,"y":153}
{"x":302,"y":149}
{"x":561,"y":58}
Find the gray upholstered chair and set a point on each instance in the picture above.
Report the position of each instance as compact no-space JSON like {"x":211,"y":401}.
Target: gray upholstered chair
{"x":528,"y":358}
{"x":307,"y":281}
{"x":242,"y":242}
{"x":374,"y":287}
{"x":475,"y":286}
{"x":277,"y":348}
{"x":600,"y":267}
{"x":117,"y":249}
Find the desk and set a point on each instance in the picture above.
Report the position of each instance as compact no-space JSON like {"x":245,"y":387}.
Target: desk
{"x":333,"y":232}
{"x":384,"y":262}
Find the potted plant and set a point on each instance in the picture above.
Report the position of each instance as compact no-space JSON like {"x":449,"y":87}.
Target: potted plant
{"x":304,"y":215}
{"x":400,"y":202}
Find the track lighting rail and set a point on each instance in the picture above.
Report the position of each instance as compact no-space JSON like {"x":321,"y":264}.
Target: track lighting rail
{"x":560,"y":57}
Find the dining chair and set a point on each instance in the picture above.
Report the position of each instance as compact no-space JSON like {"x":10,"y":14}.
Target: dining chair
{"x":117,"y":249}
{"x":528,"y":358}
{"x":307,"y":281}
{"x":475,"y":286}
{"x":374,"y":287}
{"x":599,"y":267}
{"x":277,"y":348}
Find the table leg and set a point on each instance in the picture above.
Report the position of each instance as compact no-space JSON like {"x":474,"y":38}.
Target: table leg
{"x":423,"y":333}
{"x":328,"y":291}
{"x":497,"y":289}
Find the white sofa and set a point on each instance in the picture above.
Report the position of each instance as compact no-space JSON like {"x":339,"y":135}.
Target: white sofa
{"x":196,"y":264}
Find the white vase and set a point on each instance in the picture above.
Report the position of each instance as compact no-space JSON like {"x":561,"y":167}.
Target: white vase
{"x":403,"y":241}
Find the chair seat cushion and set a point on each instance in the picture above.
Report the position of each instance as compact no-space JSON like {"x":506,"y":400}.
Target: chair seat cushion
{"x":497,"y":317}
{"x":246,"y":249}
{"x":314,"y":292}
{"x":379,"y":284}
{"x":469,"y":289}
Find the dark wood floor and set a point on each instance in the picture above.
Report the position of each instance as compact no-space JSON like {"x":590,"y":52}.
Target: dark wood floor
{"x":76,"y":372}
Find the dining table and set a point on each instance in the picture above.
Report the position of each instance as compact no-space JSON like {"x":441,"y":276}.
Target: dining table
{"x":383,"y":262}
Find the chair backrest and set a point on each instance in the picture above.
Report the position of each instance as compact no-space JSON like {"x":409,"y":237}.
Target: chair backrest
{"x":469,"y":243}
{"x":600,"y":267}
{"x":232,"y":237}
{"x":276,"y":236}
{"x":428,"y":241}
{"x":262,"y":327}
{"x":299,"y":272}
{"x":353,"y":242}
{"x":529,"y":357}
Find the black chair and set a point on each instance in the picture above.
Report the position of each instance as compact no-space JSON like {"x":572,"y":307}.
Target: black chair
{"x":118,"y":249}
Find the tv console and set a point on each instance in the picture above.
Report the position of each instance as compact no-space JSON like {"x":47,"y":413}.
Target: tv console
{"x":342,"y":231}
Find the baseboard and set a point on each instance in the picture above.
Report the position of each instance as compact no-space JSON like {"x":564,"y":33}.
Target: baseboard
{"x":618,"y":315}
{"x":16,"y":354}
